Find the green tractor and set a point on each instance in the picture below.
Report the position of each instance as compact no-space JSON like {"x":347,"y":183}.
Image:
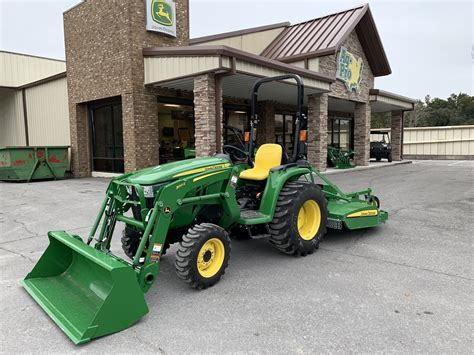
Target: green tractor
{"x":199,"y":204}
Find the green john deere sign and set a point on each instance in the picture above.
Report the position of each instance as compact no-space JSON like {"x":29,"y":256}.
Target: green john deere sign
{"x":161,"y":16}
{"x":349,"y":69}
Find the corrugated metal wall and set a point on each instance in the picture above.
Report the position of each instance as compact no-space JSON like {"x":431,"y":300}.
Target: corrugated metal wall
{"x":453,"y":141}
{"x":48,"y":113}
{"x":18,"y":69}
{"x":12,"y":127}
{"x":450,"y":142}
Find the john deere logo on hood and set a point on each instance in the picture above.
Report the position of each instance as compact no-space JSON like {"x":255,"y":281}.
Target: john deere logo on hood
{"x":161,"y":16}
{"x":349,"y":69}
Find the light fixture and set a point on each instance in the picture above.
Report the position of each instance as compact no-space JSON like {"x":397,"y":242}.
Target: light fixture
{"x":171,"y":105}
{"x":240,"y":111}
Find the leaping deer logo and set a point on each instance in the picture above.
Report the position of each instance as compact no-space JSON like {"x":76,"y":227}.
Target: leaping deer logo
{"x":162,"y":12}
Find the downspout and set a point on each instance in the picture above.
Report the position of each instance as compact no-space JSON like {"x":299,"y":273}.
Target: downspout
{"x":25,"y":116}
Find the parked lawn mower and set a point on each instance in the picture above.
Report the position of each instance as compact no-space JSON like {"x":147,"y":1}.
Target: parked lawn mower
{"x":198,"y":203}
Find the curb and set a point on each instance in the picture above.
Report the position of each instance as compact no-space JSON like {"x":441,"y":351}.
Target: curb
{"x":364,"y":168}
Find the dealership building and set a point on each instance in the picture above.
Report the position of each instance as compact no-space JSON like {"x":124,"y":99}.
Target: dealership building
{"x":141,"y":92}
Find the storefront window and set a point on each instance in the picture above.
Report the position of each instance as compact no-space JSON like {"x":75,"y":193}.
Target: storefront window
{"x":340,"y":133}
{"x":236,"y":123}
{"x":107,"y":137}
{"x":176,"y":125}
{"x":284,"y":125}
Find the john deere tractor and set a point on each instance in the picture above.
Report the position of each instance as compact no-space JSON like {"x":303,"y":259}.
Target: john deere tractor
{"x":199,"y":203}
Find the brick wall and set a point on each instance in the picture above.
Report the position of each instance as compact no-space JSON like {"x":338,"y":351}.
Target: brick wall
{"x":362,"y":133}
{"x":104,"y":42}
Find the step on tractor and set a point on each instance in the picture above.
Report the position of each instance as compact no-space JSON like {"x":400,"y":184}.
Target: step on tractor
{"x":199,"y":203}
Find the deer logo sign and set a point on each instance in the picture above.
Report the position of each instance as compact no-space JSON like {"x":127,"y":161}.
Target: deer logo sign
{"x":349,"y":69}
{"x":162,"y":12}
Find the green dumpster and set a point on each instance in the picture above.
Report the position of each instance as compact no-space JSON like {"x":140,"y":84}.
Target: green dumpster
{"x":33,"y":163}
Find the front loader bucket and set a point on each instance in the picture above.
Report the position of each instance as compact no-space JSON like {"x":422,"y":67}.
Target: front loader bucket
{"x":85,"y":291}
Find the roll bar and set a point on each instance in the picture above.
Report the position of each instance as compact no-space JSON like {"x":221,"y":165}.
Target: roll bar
{"x":300,"y":117}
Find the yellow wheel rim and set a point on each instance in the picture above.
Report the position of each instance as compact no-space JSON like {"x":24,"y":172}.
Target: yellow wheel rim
{"x":309,"y":220}
{"x":210,"y":257}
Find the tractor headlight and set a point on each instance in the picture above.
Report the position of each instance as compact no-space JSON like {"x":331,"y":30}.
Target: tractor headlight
{"x":148,"y":191}
{"x":385,"y":145}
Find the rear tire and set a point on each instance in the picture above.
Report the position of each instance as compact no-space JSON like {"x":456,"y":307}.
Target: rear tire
{"x":300,"y":219}
{"x":389,"y":157}
{"x":203,"y":255}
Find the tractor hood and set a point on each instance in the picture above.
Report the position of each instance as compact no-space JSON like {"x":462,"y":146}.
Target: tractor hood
{"x":174,"y":170}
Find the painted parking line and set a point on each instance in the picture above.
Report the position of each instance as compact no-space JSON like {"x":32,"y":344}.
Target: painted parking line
{"x":456,"y":163}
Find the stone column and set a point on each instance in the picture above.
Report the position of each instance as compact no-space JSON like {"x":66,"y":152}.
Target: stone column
{"x":362,"y":118}
{"x":396,"y":135}
{"x":80,"y":145}
{"x":207,"y":114}
{"x":140,"y":129}
{"x":318,"y":130}
{"x":266,"y":123}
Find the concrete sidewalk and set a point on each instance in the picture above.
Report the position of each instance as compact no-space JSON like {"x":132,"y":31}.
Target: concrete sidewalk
{"x":372,"y":165}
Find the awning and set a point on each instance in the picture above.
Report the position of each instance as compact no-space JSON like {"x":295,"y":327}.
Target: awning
{"x":176,"y":67}
{"x":384,"y":101}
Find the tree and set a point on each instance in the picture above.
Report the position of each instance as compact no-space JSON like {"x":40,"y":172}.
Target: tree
{"x":457,"y":109}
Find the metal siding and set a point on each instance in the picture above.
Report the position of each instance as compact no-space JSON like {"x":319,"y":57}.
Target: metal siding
{"x":12,"y":127}
{"x":17,"y":69}
{"x":165,"y":68}
{"x":315,"y":35}
{"x":254,"y":42}
{"x":48,"y":114}
{"x":441,"y":141}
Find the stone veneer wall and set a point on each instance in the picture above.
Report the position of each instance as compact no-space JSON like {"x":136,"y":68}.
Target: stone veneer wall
{"x":328,"y":65}
{"x":104,"y":42}
{"x":362,"y":114}
{"x":318,"y":130}
{"x":207,"y":90}
{"x":396,"y":135}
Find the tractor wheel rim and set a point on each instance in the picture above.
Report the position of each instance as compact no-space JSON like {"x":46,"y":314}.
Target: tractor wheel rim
{"x":210,"y":257}
{"x":309,"y":220}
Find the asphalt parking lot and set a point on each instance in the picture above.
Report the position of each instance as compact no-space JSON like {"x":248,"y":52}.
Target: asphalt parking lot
{"x":406,"y":286}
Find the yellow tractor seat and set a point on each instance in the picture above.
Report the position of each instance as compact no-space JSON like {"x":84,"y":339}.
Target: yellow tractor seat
{"x":268,"y":156}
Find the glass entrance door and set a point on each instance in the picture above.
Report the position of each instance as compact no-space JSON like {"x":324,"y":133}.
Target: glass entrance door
{"x":107,"y":137}
{"x":340,"y":133}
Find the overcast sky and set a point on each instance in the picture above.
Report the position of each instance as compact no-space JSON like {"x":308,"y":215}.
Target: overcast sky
{"x":429,"y":44}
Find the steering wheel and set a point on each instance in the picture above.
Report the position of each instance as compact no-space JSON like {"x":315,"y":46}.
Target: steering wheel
{"x":235,"y":153}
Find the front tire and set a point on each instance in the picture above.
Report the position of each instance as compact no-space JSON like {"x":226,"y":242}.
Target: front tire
{"x":203,"y":255}
{"x":300,"y":219}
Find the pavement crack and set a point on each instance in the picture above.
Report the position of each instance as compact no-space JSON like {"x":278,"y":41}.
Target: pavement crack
{"x":19,"y":254}
{"x":398,"y":264}
{"x":23,"y":225}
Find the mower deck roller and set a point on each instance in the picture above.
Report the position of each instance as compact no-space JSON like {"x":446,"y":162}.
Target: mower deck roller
{"x":86,"y":292}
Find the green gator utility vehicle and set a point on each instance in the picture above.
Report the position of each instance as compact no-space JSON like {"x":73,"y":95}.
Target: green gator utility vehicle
{"x":90,"y":291}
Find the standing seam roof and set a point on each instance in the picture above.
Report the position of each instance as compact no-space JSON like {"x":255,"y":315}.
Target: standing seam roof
{"x":324,"y":36}
{"x":314,"y":35}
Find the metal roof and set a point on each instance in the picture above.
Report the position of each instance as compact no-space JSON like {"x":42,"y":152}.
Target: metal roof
{"x":324,"y":35}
